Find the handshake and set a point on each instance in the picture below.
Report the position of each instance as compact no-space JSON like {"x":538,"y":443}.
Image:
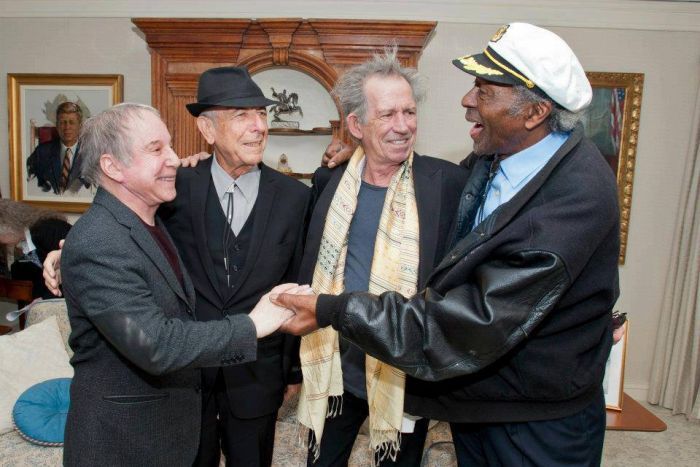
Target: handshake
{"x":291,"y":308}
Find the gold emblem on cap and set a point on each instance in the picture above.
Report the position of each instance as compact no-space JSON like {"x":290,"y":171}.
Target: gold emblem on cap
{"x":502,"y":30}
{"x":522,"y":78}
{"x":470,"y":64}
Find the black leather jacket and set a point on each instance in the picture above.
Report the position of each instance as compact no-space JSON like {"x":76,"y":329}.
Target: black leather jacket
{"x":514,"y":324}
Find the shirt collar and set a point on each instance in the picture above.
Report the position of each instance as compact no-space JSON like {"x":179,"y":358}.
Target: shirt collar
{"x":521,"y":165}
{"x":248,"y":183}
{"x":72,"y":148}
{"x":27,"y":245}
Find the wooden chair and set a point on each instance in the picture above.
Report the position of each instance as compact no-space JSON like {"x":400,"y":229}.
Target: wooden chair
{"x":40,"y":134}
{"x":19,"y":291}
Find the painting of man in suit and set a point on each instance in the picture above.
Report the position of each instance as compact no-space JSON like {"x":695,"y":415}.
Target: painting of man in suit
{"x":56,"y":164}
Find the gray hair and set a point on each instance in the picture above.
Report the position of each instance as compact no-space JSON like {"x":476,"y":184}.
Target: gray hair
{"x":108,"y":133}
{"x":16,"y":216}
{"x":211,"y":114}
{"x":559,"y":119}
{"x":349,"y":90}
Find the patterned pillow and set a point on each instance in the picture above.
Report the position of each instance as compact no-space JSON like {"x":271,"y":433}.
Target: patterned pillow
{"x":40,"y":412}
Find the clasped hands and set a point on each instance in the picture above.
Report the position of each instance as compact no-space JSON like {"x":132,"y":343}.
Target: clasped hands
{"x":291,"y":308}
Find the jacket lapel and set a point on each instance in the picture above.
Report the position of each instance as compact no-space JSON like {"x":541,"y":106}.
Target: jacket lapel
{"x":502,"y":216}
{"x":267,"y":191}
{"x":199,"y":188}
{"x":190,"y":296}
{"x":57,"y":163}
{"x":144,"y":240}
{"x":428,"y":201}
{"x":75,"y":166}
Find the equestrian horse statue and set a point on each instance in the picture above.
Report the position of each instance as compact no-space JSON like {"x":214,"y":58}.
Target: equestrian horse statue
{"x":287,"y":104}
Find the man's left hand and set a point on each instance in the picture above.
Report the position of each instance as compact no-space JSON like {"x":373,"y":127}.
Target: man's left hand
{"x":304,"y":308}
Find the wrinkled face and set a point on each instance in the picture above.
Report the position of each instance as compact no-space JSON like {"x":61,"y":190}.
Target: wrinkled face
{"x":150,"y":176}
{"x":495,"y":130}
{"x":239,"y":137}
{"x":389,"y":133}
{"x":68,"y":126}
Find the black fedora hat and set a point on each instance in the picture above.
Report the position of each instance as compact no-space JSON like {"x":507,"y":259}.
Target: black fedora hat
{"x":228,"y":86}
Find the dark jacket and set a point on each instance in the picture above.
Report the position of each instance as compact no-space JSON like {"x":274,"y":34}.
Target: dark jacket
{"x":257,"y":388}
{"x":45,"y":164}
{"x":515,"y":322}
{"x":437,"y":184}
{"x":135,"y":396}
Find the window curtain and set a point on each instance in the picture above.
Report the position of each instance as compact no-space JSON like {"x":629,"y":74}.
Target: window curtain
{"x":675,"y":378}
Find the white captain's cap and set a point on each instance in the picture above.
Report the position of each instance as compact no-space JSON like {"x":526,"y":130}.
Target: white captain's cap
{"x":520,"y":53}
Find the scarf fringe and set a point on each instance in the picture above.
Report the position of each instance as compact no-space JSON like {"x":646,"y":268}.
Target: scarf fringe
{"x":307,"y":439}
{"x":335,"y":406}
{"x":386,"y":450}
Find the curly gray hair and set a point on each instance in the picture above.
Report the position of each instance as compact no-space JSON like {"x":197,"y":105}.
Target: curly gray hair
{"x":16,"y":216}
{"x":349,"y":90}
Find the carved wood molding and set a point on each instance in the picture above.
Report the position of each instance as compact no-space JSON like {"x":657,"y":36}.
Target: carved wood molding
{"x":633,"y":85}
{"x":181,"y":49}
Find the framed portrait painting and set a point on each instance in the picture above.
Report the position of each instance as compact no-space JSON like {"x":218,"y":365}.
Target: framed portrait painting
{"x":612,"y":122}
{"x":46,"y":112}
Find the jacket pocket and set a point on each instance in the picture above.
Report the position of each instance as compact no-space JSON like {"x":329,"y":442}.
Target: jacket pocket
{"x":137,"y":399}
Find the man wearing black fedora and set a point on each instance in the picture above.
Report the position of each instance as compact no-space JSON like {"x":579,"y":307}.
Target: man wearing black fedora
{"x":236,"y":250}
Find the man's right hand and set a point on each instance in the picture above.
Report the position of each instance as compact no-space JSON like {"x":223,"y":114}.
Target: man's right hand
{"x":267,"y":316}
{"x":52,"y":270}
{"x":193,"y":160}
{"x":336,"y":153}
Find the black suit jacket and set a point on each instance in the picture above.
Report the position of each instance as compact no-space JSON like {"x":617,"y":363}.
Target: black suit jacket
{"x":437,"y":183}
{"x":254,"y":389}
{"x":45,"y":164}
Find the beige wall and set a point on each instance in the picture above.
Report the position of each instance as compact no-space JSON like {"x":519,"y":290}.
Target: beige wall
{"x":670,"y":61}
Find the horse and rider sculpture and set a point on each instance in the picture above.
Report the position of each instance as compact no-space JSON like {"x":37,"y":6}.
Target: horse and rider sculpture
{"x":287,"y":104}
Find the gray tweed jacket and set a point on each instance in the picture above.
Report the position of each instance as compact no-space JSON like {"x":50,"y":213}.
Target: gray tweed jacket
{"x":135,"y":396}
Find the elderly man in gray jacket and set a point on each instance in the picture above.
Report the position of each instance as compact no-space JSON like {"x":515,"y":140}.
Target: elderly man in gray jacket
{"x":135,"y":396}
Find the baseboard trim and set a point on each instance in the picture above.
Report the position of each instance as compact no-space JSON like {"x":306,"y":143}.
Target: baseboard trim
{"x":638,"y":392}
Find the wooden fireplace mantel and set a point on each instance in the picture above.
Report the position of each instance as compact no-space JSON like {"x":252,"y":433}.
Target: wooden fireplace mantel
{"x":181,"y":49}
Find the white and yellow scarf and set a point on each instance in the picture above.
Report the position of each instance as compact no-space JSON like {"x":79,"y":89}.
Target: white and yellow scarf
{"x":394,"y":267}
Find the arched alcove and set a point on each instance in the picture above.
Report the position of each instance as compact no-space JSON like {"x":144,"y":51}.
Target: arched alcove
{"x":181,"y":49}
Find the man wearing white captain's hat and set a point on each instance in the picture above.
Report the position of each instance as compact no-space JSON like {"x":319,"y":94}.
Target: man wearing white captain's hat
{"x":512,"y":333}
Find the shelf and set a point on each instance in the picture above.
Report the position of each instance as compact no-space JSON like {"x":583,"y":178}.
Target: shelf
{"x":297,"y":132}
{"x":299,"y":176}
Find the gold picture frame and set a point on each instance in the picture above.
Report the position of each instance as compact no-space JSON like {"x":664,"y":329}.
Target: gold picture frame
{"x":32,"y":101}
{"x":612,"y":123}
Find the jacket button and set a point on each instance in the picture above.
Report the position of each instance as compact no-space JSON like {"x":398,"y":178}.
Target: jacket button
{"x":197,"y":388}
{"x":468,"y":196}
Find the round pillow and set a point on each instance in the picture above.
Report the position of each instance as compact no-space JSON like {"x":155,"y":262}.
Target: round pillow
{"x":40,"y":412}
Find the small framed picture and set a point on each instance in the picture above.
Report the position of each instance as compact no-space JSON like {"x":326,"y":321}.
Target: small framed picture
{"x":46,"y":112}
{"x":613,"y":382}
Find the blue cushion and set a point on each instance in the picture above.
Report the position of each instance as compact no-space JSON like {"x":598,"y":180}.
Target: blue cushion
{"x":40,"y":412}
